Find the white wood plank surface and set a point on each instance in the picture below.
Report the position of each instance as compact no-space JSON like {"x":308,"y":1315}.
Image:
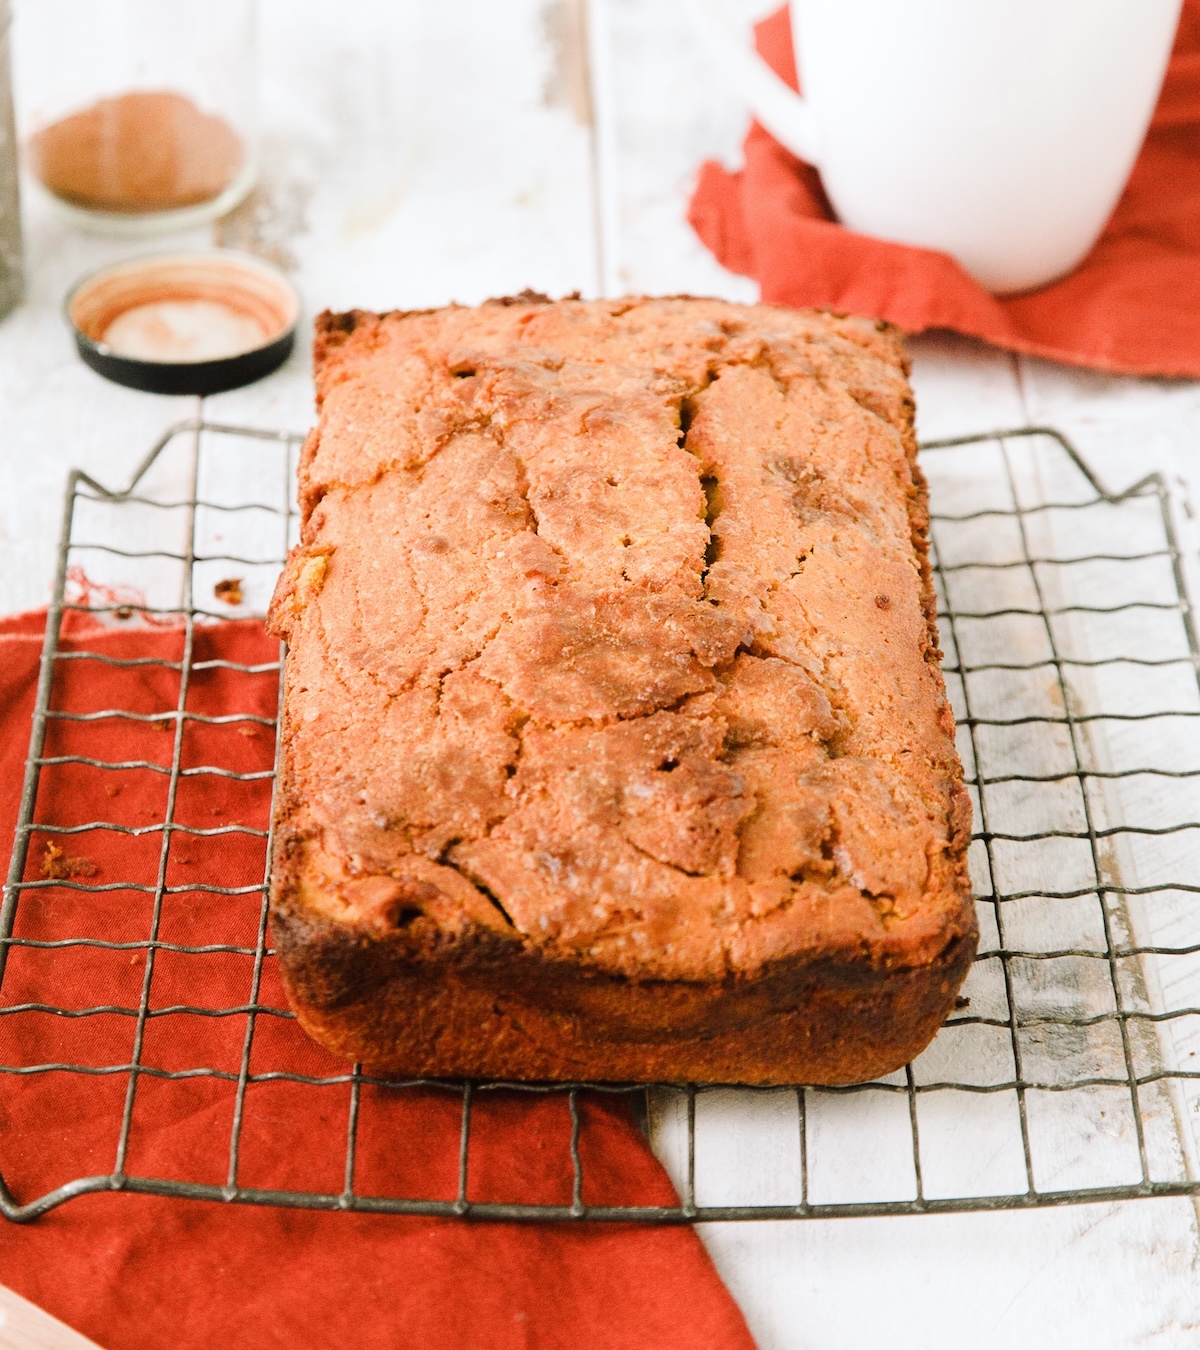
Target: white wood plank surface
{"x":56,"y":413}
{"x":659,"y":114}
{"x":419,"y":154}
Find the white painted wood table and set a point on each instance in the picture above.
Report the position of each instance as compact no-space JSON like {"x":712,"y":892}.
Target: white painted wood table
{"x":419,"y":153}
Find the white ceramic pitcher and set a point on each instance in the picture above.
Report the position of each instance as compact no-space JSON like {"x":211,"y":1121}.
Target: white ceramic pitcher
{"x":999,"y":131}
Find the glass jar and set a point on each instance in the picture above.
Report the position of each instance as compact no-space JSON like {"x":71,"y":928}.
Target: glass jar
{"x":11,"y":274}
{"x":138,"y":115}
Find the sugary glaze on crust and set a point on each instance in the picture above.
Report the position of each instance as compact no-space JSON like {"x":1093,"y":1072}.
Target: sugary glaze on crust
{"x":612,"y":649}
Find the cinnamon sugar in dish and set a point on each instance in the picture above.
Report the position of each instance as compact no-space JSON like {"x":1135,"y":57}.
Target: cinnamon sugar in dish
{"x":140,"y":152}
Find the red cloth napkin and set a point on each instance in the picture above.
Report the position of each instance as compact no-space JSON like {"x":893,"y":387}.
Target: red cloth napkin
{"x":137,"y":1271}
{"x":1130,"y":306}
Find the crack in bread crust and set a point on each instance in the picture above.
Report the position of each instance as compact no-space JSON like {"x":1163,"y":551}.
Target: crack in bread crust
{"x":625,"y":626}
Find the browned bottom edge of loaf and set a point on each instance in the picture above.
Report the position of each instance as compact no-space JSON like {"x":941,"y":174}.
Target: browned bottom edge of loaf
{"x":824,"y":1022}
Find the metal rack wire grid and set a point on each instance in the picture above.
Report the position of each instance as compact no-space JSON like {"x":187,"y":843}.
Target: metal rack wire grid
{"x":1066,"y":1075}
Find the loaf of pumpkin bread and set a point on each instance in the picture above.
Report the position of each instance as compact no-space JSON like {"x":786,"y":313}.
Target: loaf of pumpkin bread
{"x":614,"y":744}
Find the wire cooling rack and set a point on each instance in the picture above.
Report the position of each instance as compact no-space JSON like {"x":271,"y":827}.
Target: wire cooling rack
{"x":1067,"y":1074}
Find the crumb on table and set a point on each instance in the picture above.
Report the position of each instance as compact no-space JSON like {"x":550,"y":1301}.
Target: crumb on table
{"x":57,"y":867}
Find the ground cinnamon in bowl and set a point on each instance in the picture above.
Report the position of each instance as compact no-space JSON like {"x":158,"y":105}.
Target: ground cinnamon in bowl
{"x":137,"y":153}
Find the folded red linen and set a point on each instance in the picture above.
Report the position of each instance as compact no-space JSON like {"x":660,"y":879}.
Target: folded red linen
{"x":140,"y":1271}
{"x":1130,"y":306}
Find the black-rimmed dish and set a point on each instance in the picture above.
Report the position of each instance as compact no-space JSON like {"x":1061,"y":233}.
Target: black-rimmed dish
{"x":185,"y":323}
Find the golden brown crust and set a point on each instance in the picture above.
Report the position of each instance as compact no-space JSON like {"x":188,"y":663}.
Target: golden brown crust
{"x":612,"y":698}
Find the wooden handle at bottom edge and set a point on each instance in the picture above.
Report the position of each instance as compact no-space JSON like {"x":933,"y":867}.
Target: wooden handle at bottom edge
{"x":24,"y":1326}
